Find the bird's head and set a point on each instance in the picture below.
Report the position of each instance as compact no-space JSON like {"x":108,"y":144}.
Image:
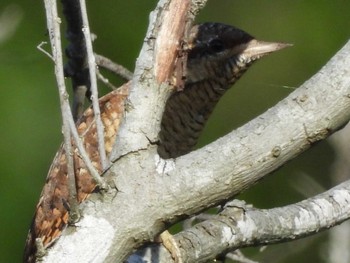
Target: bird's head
{"x":219,"y":50}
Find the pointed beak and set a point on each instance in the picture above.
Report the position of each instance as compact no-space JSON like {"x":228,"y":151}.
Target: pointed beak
{"x":255,"y":49}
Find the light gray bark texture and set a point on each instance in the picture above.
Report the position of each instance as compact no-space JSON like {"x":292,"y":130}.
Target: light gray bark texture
{"x":239,"y":225}
{"x":152,"y":193}
{"x":148,"y":194}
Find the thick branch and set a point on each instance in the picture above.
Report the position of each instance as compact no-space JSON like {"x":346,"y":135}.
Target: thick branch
{"x":165,"y":192}
{"x":150,"y":87}
{"x":240,"y":226}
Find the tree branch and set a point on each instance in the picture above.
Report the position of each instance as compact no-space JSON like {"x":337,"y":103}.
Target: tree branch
{"x":93,"y":82}
{"x":69,"y":128}
{"x":150,"y":87}
{"x":164,"y":192}
{"x":339,"y":237}
{"x":240,"y":226}
{"x":53,"y":24}
{"x":113,"y":67}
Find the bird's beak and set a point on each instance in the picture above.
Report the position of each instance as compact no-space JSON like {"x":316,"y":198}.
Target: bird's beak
{"x":255,"y":49}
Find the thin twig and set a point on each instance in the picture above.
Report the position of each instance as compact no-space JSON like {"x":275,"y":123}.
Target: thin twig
{"x":69,"y":127}
{"x":105,"y":80}
{"x":93,"y":82}
{"x":76,"y":69}
{"x":40,"y":47}
{"x":53,"y":24}
{"x":113,"y":67}
{"x":78,"y":143}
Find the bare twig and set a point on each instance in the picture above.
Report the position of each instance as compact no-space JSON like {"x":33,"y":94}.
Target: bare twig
{"x":93,"y":82}
{"x":78,"y":143}
{"x":40,"y":47}
{"x":53,"y":24}
{"x":115,"y":68}
{"x":105,"y":81}
{"x":68,"y":122}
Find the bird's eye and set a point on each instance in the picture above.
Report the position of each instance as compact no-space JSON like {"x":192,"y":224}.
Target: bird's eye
{"x":216,"y":45}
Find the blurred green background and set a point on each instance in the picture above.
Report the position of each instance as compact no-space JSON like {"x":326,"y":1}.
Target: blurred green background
{"x":31,"y":122}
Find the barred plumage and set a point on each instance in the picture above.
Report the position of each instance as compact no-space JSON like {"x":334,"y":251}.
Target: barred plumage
{"x":219,"y":54}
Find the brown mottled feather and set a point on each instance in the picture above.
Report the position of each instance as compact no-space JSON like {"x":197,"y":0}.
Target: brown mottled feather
{"x":51,"y":215}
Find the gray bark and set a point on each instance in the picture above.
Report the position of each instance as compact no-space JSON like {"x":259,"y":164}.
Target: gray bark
{"x":149,"y":193}
{"x":153,"y":193}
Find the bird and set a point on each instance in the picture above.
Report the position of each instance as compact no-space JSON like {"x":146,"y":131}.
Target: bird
{"x":217,"y":56}
{"x":52,"y":211}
